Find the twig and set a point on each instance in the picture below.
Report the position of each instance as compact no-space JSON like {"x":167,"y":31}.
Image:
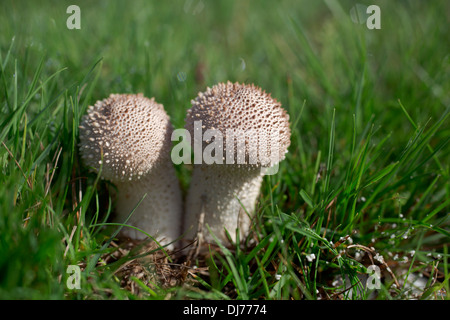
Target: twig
{"x":70,"y":240}
{"x":18,"y":165}
{"x":47,"y":187}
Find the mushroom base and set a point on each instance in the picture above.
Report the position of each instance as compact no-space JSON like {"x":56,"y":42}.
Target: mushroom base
{"x":216,"y":200}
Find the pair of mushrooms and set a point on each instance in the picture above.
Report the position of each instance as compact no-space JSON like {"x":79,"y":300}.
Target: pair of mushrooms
{"x":129,"y":138}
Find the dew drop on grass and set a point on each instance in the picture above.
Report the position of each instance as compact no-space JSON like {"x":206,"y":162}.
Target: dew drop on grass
{"x":311,"y":257}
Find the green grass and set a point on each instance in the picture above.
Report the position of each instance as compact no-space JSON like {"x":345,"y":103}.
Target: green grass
{"x":367,"y":170}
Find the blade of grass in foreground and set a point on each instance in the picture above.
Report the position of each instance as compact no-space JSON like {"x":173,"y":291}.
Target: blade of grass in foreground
{"x":236,"y":276}
{"x":410,"y":155}
{"x":330,"y":155}
{"x":428,"y":145}
{"x":91,"y":264}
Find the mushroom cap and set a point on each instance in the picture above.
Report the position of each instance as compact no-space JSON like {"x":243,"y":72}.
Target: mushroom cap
{"x":126,"y":134}
{"x":256,"y":118}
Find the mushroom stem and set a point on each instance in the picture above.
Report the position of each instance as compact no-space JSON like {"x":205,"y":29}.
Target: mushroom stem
{"x":158,"y":215}
{"x":227,"y":195}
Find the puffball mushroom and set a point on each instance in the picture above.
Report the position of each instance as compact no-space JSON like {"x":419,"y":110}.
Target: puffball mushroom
{"x":220,"y":190}
{"x":129,"y":137}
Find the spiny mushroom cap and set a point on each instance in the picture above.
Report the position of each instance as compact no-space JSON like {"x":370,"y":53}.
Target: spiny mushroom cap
{"x":256,"y":118}
{"x":131,"y":133}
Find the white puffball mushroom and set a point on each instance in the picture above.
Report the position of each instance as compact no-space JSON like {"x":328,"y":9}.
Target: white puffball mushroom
{"x":129,"y":137}
{"x":246,"y":117}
